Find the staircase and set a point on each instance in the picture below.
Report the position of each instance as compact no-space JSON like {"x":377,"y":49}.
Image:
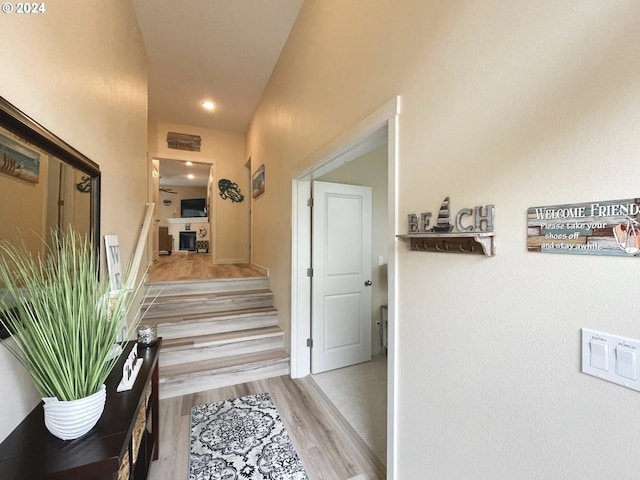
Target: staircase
{"x":215,"y":333}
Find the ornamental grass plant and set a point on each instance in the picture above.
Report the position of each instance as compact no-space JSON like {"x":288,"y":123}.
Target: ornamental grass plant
{"x":64,"y":320}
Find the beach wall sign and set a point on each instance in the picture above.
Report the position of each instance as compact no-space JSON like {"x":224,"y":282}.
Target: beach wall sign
{"x":482,"y":220}
{"x":594,"y":228}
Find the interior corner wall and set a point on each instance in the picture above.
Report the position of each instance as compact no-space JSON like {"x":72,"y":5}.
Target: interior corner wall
{"x":515,"y":104}
{"x":226,"y":151}
{"x":80,"y":70}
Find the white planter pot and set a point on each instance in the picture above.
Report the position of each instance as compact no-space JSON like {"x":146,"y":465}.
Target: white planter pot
{"x":71,"y":419}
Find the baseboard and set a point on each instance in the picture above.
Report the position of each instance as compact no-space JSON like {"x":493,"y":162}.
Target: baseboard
{"x":230,"y":261}
{"x":261,"y":269}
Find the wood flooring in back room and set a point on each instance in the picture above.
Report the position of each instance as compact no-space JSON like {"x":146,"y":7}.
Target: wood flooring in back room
{"x":195,"y":266}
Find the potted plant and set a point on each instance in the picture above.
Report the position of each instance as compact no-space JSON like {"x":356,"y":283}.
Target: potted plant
{"x":65,"y":323}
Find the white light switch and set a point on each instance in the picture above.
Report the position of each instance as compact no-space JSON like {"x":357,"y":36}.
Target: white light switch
{"x":599,"y":355}
{"x":611,"y":358}
{"x":626,"y":362}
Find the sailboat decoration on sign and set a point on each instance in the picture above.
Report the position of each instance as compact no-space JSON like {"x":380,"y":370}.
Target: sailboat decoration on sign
{"x":444,"y":218}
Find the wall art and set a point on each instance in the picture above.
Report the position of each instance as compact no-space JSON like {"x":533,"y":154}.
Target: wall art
{"x":594,"y":228}
{"x":473,"y":231}
{"x":84,"y":185}
{"x":258,"y":182}
{"x":183,"y":141}
{"x":18,"y":160}
{"x":230,"y":190}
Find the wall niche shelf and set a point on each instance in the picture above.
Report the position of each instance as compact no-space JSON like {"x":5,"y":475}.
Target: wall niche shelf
{"x":478,"y":243}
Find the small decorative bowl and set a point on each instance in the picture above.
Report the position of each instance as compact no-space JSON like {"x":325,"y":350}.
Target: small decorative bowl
{"x":147,"y":335}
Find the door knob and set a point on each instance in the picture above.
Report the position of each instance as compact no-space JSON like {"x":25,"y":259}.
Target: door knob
{"x":368,"y":283}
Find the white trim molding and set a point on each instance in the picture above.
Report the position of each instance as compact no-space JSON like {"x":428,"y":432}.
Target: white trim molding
{"x":375,"y":130}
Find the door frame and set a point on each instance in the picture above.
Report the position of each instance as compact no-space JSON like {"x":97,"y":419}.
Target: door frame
{"x":210,"y":193}
{"x":376,"y":129}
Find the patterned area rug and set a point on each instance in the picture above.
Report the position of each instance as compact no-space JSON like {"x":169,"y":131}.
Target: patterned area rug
{"x":242,"y":439}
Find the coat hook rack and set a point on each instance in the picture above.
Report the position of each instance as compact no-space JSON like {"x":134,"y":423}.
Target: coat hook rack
{"x":452,"y":242}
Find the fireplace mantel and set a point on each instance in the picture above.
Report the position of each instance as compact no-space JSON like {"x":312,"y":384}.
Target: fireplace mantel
{"x":177,"y":225}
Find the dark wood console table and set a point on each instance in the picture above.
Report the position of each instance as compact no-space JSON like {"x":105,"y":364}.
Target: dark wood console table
{"x":120,"y":447}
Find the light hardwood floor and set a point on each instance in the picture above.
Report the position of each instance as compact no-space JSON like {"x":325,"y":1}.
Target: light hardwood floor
{"x":328,"y":446}
{"x":195,"y":266}
{"x":359,"y":392}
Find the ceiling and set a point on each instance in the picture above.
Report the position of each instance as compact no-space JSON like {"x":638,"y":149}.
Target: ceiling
{"x":176,"y":173}
{"x":218,"y":50}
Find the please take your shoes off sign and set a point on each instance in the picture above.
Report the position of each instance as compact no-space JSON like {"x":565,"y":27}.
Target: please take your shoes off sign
{"x":596,"y":228}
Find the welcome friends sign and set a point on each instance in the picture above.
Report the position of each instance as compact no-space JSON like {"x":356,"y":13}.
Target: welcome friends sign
{"x":596,"y":228}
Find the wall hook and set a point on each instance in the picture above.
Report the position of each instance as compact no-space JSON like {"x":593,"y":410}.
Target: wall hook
{"x":442,"y":248}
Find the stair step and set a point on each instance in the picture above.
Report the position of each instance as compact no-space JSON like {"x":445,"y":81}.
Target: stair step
{"x":202,"y":347}
{"x":203,"y":303}
{"x":190,"y":287}
{"x":204,"y":375}
{"x":180,"y":326}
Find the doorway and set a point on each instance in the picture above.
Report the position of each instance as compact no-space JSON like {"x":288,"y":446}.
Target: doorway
{"x":357,"y":387}
{"x":378,"y":129}
{"x":184,"y":205}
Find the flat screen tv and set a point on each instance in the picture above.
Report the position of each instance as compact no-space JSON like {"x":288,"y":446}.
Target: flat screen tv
{"x":193,"y":207}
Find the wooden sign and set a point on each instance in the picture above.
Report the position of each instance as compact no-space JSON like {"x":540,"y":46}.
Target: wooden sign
{"x":183,"y":141}
{"x":596,"y":228}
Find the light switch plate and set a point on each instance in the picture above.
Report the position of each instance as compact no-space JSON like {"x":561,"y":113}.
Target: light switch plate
{"x":611,"y":358}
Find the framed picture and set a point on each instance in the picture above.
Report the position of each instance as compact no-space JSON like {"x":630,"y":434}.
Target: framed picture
{"x":257,"y":182}
{"x":18,"y":160}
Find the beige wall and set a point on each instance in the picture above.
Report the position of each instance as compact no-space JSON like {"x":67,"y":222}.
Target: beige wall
{"x":23,"y":210}
{"x":80,"y":70}
{"x":371,"y":170}
{"x":173,"y":210}
{"x":516,"y":104}
{"x":226,"y":151}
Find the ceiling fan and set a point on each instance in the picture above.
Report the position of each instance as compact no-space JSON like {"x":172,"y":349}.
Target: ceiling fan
{"x":168,"y":190}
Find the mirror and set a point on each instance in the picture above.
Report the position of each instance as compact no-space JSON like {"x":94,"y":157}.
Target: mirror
{"x":45,"y":183}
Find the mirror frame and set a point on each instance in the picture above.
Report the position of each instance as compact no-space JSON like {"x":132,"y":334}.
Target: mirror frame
{"x":27,"y":129}
{"x":32,"y":132}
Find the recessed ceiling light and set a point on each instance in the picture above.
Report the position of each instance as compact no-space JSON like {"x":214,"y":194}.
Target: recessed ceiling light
{"x":190,"y":176}
{"x":188,"y":163}
{"x":208,"y":105}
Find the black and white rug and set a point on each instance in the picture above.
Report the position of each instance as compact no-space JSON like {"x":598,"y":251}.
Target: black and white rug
{"x":242,"y":439}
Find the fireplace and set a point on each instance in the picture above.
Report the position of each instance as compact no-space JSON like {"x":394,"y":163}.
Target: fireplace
{"x":188,"y":241}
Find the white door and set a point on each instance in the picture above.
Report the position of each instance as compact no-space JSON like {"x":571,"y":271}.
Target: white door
{"x":341,"y":282}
